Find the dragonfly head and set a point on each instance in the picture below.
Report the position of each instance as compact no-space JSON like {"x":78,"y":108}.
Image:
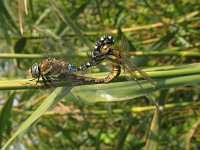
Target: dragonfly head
{"x":103,"y":46}
{"x":35,"y":71}
{"x":106,"y":42}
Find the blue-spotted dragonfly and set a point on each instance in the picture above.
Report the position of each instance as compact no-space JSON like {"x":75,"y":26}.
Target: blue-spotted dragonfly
{"x":51,"y":68}
{"x":103,"y":51}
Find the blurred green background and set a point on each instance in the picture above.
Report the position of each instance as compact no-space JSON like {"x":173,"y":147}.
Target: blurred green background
{"x":162,"y":36}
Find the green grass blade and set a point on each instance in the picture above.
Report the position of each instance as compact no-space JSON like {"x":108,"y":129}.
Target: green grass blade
{"x":68,"y":21}
{"x":162,"y":42}
{"x":47,"y":104}
{"x":5,"y":115}
{"x":5,"y":14}
{"x":191,"y":133}
{"x":158,"y":45}
{"x":123,"y":133}
{"x":120,"y":91}
{"x":163,"y":72}
{"x":62,"y":27}
{"x":152,"y":140}
{"x":4,"y":29}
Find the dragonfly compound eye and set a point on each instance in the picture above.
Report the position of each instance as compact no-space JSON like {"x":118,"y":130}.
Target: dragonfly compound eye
{"x":110,"y":39}
{"x":35,"y":71}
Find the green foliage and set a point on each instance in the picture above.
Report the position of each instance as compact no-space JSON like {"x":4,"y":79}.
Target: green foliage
{"x":5,"y":115}
{"x":164,"y":35}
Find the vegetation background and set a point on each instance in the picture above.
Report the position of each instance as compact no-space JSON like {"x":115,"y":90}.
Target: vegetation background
{"x":163,"y":36}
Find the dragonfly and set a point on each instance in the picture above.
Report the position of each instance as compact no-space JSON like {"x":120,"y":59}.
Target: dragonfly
{"x":103,"y":51}
{"x":51,"y":69}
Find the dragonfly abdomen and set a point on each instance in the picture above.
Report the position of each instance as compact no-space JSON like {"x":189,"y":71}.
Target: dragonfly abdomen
{"x":101,"y":48}
{"x":114,"y":73}
{"x":73,"y":68}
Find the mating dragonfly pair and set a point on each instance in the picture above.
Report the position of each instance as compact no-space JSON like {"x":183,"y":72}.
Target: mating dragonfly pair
{"x":52,"y":68}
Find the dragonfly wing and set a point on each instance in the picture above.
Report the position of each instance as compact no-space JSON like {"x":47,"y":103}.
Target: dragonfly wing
{"x":132,"y":68}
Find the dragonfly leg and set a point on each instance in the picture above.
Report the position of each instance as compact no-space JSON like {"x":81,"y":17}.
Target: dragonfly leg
{"x":37,"y":80}
{"x":50,"y":81}
{"x":44,"y":81}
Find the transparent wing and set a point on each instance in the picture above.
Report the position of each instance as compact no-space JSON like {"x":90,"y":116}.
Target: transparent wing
{"x":71,"y":55}
{"x":132,"y":69}
{"x":94,"y":92}
{"x":89,"y":89}
{"x":128,"y":66}
{"x":62,"y":50}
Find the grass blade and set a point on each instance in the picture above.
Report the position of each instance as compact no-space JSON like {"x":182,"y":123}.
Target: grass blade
{"x":120,"y":91}
{"x":47,"y":104}
{"x":5,"y":13}
{"x":152,"y":140}
{"x":68,"y":21}
{"x":5,"y":115}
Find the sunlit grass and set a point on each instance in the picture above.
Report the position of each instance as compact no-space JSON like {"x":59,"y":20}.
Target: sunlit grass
{"x":163,"y":38}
